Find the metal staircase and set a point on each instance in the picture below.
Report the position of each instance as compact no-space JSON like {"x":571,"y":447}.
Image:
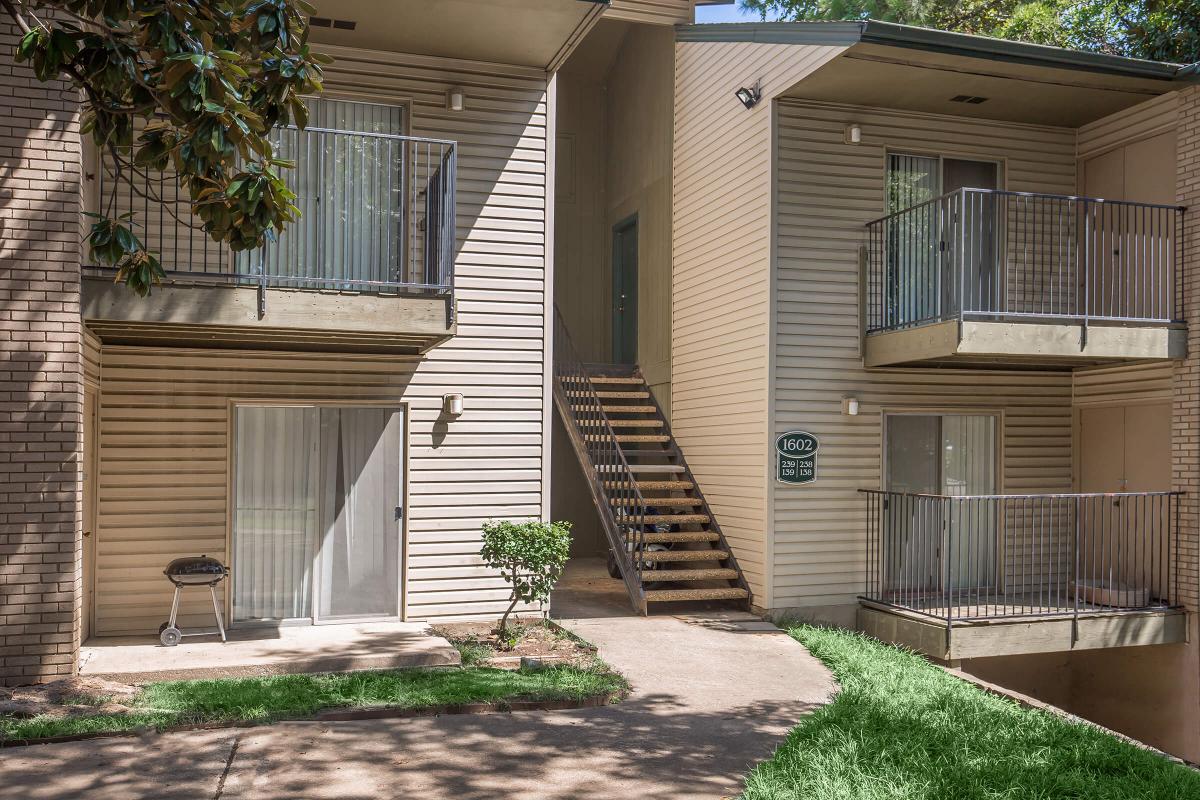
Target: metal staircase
{"x":662,"y":535}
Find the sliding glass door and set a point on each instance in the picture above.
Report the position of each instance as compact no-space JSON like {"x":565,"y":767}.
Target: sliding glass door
{"x":316,"y":523}
{"x":941,"y":454}
{"x":360,"y":553}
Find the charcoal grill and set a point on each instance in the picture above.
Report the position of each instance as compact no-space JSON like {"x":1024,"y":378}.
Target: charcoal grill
{"x":192,"y":571}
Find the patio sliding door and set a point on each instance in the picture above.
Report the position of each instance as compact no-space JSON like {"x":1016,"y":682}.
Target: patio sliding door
{"x":316,"y":523}
{"x":930,"y":546}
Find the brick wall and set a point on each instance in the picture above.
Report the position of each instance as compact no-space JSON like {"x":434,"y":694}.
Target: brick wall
{"x":1186,"y":407}
{"x":41,"y":400}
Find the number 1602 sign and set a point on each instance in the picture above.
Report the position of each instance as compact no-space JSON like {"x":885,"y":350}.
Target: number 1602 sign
{"x":796,"y":457}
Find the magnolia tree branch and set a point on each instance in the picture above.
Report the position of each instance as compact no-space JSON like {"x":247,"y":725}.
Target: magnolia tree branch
{"x":183,"y":92}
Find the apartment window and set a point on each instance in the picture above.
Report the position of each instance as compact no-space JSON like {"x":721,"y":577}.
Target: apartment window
{"x":350,"y":188}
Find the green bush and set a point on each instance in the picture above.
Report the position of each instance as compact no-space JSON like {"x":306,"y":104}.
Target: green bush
{"x":529,"y":555}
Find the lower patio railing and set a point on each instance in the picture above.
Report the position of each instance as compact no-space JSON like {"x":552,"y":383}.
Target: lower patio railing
{"x":962,"y":558}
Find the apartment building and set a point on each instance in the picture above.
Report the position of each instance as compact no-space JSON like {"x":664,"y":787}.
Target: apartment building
{"x":856,"y":322}
{"x":930,"y":357}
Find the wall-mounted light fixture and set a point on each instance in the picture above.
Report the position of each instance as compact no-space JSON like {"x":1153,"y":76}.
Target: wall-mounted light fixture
{"x":455,"y":101}
{"x":749,"y":95}
{"x":854,"y":134}
{"x":850,"y":406}
{"x":452,"y":404}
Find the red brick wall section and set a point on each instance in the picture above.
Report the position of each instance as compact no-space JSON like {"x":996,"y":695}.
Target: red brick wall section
{"x":41,"y":388}
{"x":1186,"y":411}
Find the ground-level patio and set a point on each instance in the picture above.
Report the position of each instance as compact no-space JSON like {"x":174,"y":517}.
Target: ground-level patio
{"x":713,"y":693}
{"x":267,"y":651}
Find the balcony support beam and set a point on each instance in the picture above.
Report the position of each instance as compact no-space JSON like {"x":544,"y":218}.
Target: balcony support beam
{"x":1017,"y":343}
{"x":1010,"y":637}
{"x":239,"y":316}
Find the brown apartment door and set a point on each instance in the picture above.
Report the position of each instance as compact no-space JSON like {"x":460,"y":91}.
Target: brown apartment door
{"x":1124,"y":449}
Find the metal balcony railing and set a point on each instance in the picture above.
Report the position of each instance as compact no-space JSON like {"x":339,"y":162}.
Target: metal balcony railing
{"x":962,"y":558}
{"x":994,"y":255}
{"x":377,"y":215}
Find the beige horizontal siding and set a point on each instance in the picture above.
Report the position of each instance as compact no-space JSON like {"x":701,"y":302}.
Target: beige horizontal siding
{"x":653,"y":12}
{"x":164,"y":456}
{"x":827,"y":190}
{"x":1135,"y":383}
{"x":1139,"y":122}
{"x":721,"y":195}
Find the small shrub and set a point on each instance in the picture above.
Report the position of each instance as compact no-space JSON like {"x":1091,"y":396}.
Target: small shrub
{"x":530,"y":557}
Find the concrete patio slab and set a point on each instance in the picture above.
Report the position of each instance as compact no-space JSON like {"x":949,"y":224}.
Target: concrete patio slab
{"x":714,"y":693}
{"x":276,"y":651}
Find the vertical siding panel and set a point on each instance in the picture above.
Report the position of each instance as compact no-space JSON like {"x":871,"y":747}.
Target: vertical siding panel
{"x":827,"y":190}
{"x":164,"y":450}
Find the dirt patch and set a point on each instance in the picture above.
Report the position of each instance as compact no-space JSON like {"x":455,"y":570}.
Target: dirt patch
{"x":480,"y":644}
{"x":67,"y":697}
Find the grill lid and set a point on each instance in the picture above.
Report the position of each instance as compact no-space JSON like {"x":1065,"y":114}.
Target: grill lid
{"x":195,"y":566}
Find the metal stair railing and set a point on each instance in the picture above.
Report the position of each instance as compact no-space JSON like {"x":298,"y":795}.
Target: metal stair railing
{"x":594,"y":438}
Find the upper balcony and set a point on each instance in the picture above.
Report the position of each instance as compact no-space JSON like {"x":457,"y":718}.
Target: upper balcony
{"x":368,"y":266}
{"x":985,"y":276}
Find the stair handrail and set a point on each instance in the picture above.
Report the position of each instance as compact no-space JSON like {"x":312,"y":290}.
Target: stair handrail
{"x":603,"y":451}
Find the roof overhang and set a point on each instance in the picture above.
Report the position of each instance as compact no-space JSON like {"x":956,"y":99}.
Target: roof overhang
{"x":527,"y":33}
{"x":905,"y":67}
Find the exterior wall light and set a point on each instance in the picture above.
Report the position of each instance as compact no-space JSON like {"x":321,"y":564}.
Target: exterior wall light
{"x":749,"y":95}
{"x":854,"y":134}
{"x":455,"y":100}
{"x":850,"y":406}
{"x":452,"y":404}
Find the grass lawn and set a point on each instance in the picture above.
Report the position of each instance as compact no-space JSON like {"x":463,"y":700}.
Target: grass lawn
{"x":171,"y":703}
{"x":903,"y":728}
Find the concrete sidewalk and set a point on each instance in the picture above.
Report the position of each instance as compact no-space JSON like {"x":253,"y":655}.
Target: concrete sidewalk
{"x":713,"y":694}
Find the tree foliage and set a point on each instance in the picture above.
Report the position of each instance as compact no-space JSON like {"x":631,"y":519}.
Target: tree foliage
{"x":529,"y":555}
{"x":1162,"y":30}
{"x":186,"y":88}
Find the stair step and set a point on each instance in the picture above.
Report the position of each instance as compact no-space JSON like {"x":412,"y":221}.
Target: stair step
{"x":645,"y":468}
{"x":630,"y":438}
{"x":714,"y":574}
{"x":668,"y":519}
{"x":616,"y":409}
{"x":681,"y":536}
{"x":617,"y":379}
{"x":664,"y":502}
{"x":650,"y":486}
{"x":623,"y":395}
{"x":623,"y":423}
{"x":669,"y":595}
{"x":684,"y":555}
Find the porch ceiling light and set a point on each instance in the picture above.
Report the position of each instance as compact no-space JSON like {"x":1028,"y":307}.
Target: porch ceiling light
{"x":749,"y":95}
{"x":455,"y":100}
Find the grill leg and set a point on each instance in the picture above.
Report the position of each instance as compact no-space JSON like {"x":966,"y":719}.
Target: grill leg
{"x":174,"y":607}
{"x":217,"y":612}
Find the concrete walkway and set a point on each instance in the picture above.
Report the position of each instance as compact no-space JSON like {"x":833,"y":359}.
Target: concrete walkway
{"x":713,"y":694}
